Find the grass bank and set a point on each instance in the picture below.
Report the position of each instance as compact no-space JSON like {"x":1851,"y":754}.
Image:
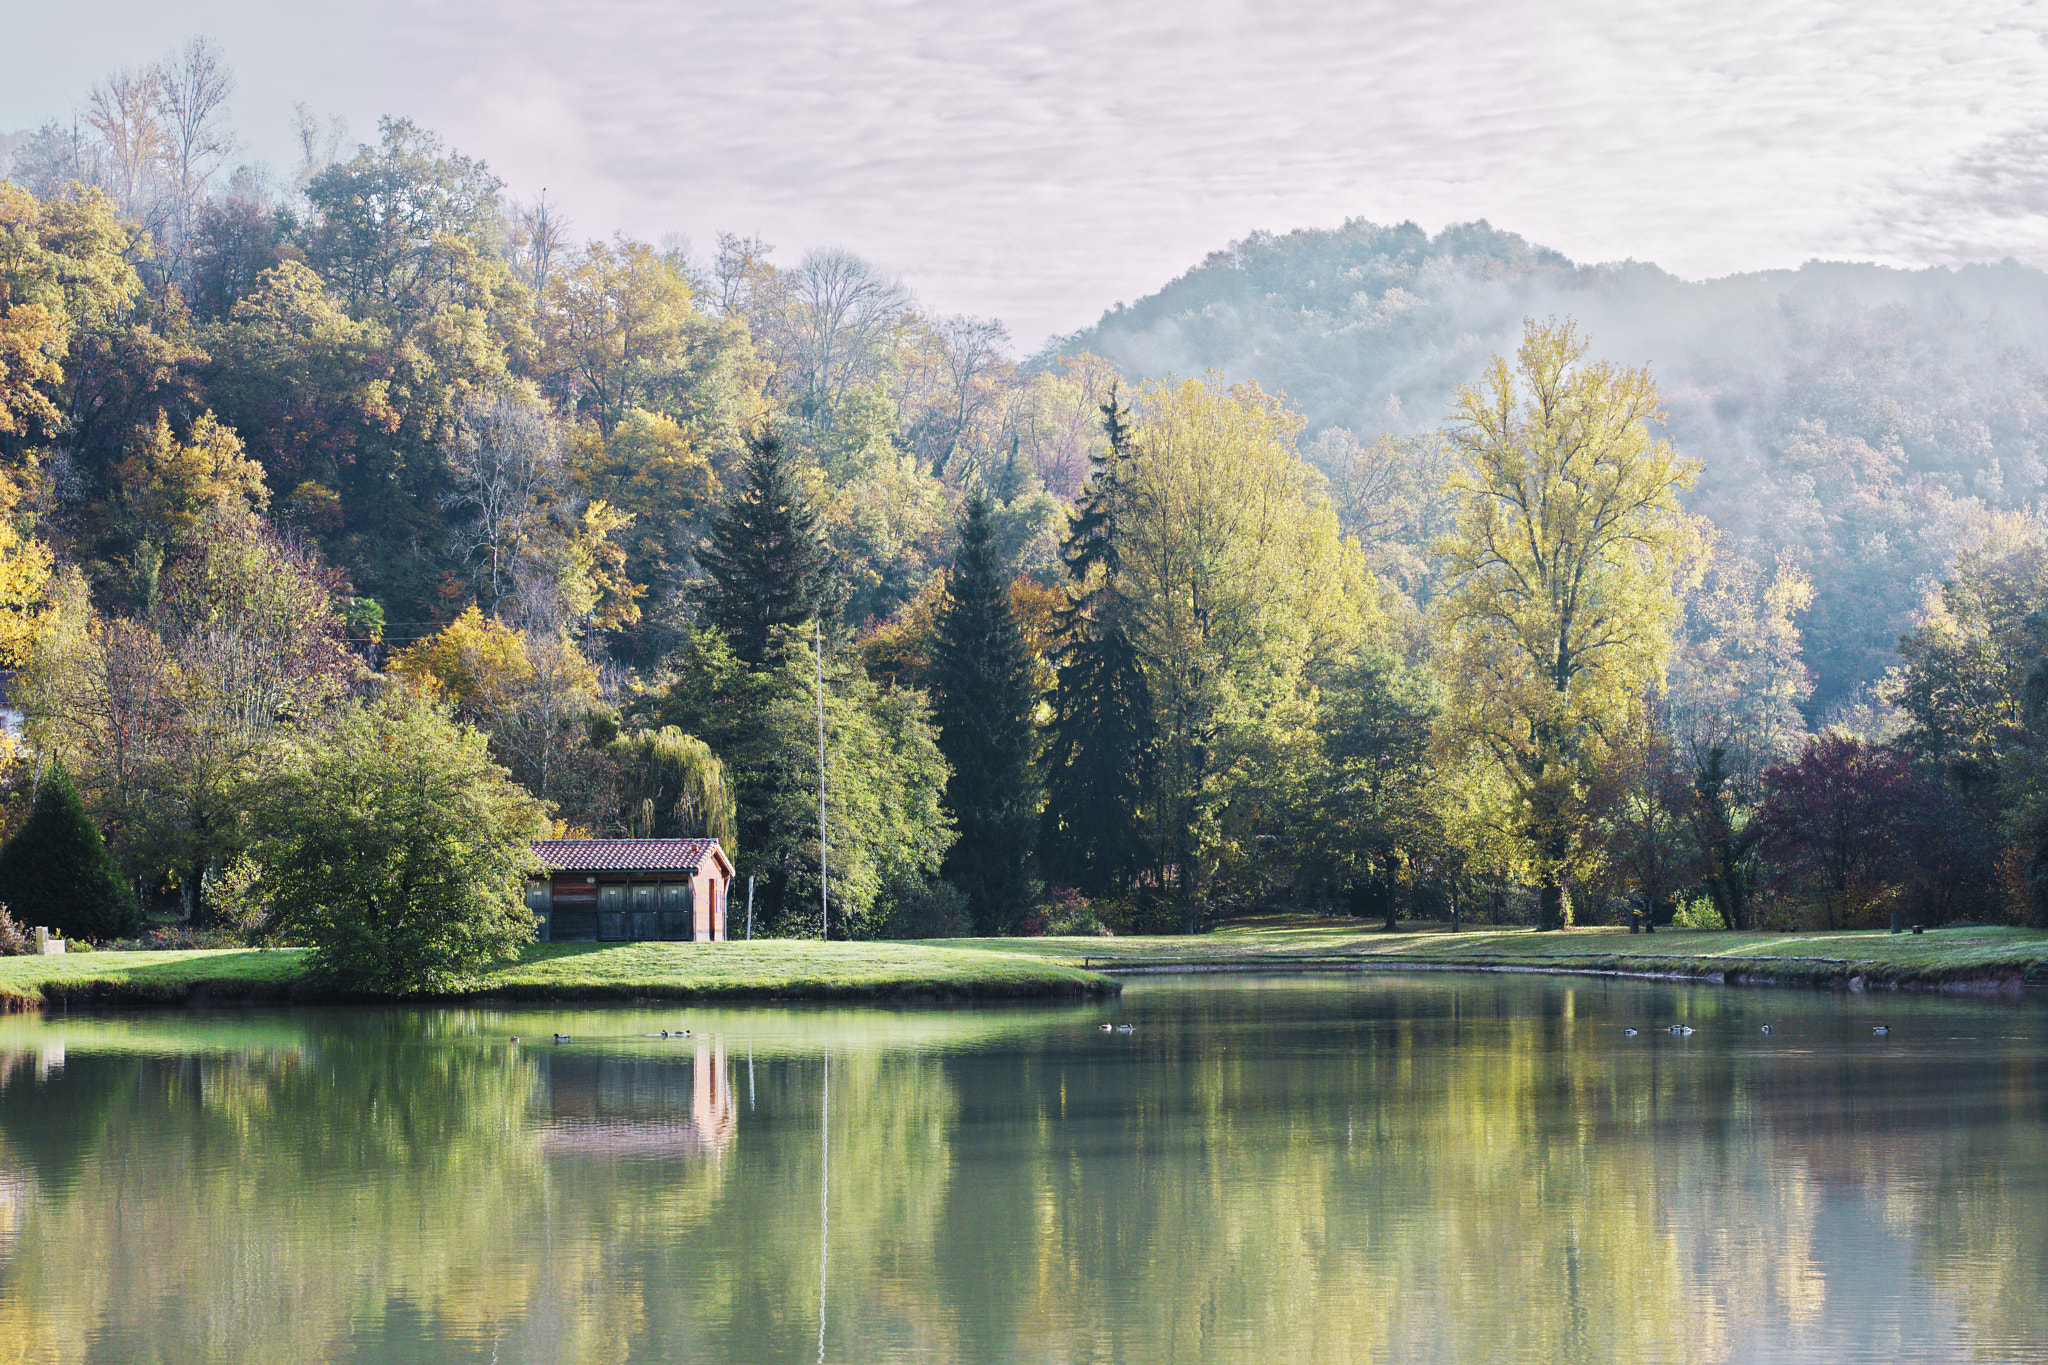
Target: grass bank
{"x":1960,"y":958}
{"x":762,"y":970}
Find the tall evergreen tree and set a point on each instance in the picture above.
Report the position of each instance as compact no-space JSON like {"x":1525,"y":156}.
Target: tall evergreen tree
{"x":769,"y":564}
{"x":982,"y":701}
{"x":56,"y":870}
{"x":1099,"y":753}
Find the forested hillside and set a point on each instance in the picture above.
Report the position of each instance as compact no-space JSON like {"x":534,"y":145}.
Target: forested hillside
{"x":1863,"y":421}
{"x":1384,"y":600}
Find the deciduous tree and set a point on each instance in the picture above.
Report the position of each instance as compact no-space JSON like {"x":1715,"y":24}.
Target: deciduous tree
{"x":1565,"y":567}
{"x":396,"y":849}
{"x":1237,"y":594}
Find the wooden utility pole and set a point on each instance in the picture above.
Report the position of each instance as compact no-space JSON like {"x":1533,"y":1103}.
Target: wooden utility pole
{"x":824,"y":882}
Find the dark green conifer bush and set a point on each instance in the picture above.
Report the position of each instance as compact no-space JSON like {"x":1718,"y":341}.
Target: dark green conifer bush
{"x":56,"y":870}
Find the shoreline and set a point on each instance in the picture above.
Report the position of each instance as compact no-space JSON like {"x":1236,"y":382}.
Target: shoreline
{"x":1848,"y":977}
{"x":765,"y":971}
{"x":1966,"y":960}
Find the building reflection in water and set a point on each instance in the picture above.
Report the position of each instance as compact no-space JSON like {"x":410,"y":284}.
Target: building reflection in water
{"x":637,"y":1107}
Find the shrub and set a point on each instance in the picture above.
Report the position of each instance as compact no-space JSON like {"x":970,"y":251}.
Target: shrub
{"x":14,"y":940}
{"x":1697,"y":915}
{"x":936,"y":910}
{"x":1148,"y":912}
{"x":176,"y":937}
{"x":56,"y":870}
{"x":1072,"y":916}
{"x":398,"y":851}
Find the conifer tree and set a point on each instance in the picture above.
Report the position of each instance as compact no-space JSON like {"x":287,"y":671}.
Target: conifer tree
{"x":982,"y":701}
{"x":56,"y":870}
{"x":767,"y":557}
{"x":1099,"y":753}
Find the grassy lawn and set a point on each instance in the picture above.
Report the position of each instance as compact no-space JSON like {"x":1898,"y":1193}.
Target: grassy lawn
{"x":791,"y":969}
{"x":1053,"y":968}
{"x":794,"y":968}
{"x":1880,"y":958}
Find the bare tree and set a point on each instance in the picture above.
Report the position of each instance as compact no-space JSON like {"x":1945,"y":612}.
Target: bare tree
{"x":196,"y":86}
{"x":125,"y":110}
{"x":539,"y":240}
{"x":741,"y":274}
{"x":319,"y":145}
{"x":507,"y":468}
{"x":954,"y":384}
{"x":838,"y":320}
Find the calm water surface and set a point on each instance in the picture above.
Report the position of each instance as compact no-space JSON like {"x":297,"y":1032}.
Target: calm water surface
{"x":1316,"y":1169}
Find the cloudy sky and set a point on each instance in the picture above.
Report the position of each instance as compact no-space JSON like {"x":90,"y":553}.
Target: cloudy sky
{"x":1039,"y":161}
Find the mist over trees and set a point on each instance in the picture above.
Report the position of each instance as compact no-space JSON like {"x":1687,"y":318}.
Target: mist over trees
{"x":1358,"y":571}
{"x":1866,"y":422}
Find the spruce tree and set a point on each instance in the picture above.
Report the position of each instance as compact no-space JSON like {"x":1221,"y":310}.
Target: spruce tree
{"x":1099,"y":752}
{"x":56,"y":870}
{"x":767,"y":557}
{"x":982,"y":701}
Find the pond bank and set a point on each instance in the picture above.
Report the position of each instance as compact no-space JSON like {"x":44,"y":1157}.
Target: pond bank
{"x":1970,"y":959}
{"x":1960,"y":959}
{"x":761,"y":971}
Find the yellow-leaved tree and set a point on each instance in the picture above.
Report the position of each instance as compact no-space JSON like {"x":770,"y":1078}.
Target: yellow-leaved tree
{"x":24,"y":582}
{"x":1567,"y":561}
{"x":529,"y":690}
{"x":1240,"y":594}
{"x":65,"y":267}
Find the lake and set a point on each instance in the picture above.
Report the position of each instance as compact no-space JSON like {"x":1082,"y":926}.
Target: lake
{"x":1311,"y":1168}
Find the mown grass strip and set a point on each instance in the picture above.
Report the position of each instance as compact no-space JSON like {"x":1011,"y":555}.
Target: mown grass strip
{"x":764,"y":970}
{"x":1053,"y":968}
{"x":1974,"y":957}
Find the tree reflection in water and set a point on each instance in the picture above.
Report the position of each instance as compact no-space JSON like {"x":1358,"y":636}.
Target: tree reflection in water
{"x":1456,"y":1169}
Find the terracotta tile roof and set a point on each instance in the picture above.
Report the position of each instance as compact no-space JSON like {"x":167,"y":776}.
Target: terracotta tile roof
{"x":623,"y":855}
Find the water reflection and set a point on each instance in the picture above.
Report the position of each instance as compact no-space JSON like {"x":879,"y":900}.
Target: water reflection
{"x":610,"y":1106}
{"x":1451,"y":1169}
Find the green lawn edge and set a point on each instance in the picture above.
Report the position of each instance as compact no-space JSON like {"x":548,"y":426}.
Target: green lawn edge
{"x":1949,"y":958}
{"x":762,"y":970}
{"x":1968,"y":958}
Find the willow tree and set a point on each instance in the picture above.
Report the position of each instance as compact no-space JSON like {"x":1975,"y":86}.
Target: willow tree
{"x":1567,"y":560}
{"x":673,"y":786}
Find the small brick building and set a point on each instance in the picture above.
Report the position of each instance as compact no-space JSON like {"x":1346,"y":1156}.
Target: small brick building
{"x":614,"y":890}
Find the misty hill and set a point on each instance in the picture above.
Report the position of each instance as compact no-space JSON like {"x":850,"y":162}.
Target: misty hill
{"x":1868,"y":421}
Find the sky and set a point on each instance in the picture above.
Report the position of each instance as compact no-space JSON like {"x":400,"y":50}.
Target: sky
{"x":1037,"y":162}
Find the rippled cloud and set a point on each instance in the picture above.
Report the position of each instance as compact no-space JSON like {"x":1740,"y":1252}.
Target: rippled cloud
{"x":1038,"y":161}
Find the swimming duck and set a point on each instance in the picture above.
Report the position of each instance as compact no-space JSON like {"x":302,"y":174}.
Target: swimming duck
{"x":1766,"y":1028}
{"x":1123,"y":1028}
{"x":1107,"y":1027}
{"x":1684,"y":1030}
{"x":1628,"y":1033}
{"x":562,"y":1038}
{"x":1882,"y":1030}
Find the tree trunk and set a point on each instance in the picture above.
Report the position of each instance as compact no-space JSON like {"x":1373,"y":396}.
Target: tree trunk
{"x":200,"y":915}
{"x":1556,"y":906}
